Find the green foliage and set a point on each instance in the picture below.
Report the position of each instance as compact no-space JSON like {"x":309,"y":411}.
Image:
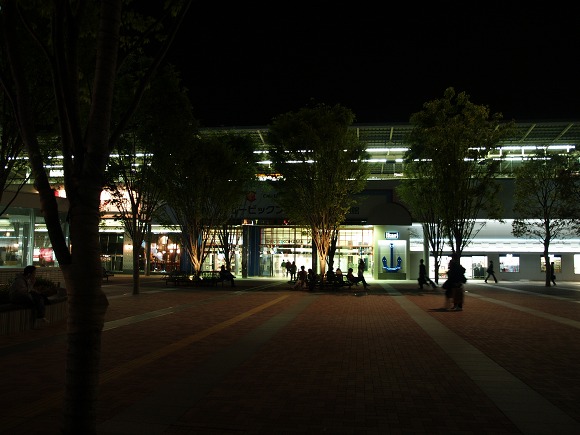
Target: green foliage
{"x":321,"y":162}
{"x":546,"y":199}
{"x":44,"y":285}
{"x":147,"y":152}
{"x":208,"y":181}
{"x":449,"y":145}
{"x":80,"y":47}
{"x":546,"y":202}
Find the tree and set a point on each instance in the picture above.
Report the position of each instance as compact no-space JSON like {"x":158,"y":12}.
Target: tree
{"x":13,"y":170}
{"x":229,"y":236}
{"x":84,"y":120}
{"x":138,"y":171}
{"x":544,"y":187}
{"x":455,"y":136}
{"x":135,"y":192}
{"x":322,"y":167}
{"x":206,"y":188}
{"x":418,"y":194}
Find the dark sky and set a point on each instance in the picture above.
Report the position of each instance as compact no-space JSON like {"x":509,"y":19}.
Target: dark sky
{"x":245,"y":65}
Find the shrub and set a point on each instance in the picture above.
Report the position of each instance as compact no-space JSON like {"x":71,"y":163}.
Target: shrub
{"x":45,"y":286}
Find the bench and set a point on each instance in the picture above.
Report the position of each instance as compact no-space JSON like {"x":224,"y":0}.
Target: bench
{"x":206,"y":278}
{"x":336,"y":284}
{"x":210,"y":277}
{"x":16,"y":318}
{"x":213,"y":277}
{"x":107,"y":274}
{"x":344,"y":282}
{"x":177,"y":278}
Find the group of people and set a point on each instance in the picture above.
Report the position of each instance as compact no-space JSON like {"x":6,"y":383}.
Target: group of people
{"x":290,"y":268}
{"x":453,"y":286}
{"x":309,"y":278}
{"x":226,"y":275}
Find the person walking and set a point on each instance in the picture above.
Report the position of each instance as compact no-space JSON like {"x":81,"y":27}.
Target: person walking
{"x":552,"y":273}
{"x":361,"y":271}
{"x":288,"y":268}
{"x":490,"y":272}
{"x":361,"y":268}
{"x":422,"y":275}
{"x":283,"y":268}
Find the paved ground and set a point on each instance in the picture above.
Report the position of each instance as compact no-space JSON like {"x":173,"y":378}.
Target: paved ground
{"x":263,"y":359}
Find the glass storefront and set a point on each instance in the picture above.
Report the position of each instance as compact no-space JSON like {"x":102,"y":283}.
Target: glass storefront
{"x":24,"y":240}
{"x":112,"y":251}
{"x":284,"y":243}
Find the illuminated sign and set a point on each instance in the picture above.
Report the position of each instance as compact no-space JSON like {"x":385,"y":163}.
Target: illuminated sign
{"x":392,"y":235}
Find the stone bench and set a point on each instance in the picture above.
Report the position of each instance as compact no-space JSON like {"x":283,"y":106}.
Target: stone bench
{"x":16,"y":318}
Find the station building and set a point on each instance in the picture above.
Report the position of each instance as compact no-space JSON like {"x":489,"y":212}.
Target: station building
{"x":380,"y":230}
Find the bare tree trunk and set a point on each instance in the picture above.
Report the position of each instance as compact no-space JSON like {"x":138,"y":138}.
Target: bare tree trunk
{"x":136,"y":252}
{"x":87,"y":308}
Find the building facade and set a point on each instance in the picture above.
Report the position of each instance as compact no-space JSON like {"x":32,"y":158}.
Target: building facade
{"x":380,"y":230}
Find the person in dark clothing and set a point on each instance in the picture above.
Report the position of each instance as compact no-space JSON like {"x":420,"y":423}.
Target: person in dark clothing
{"x":283,"y":268}
{"x":312,"y":278}
{"x":552,"y":273}
{"x":293,"y":270}
{"x":288,"y":268}
{"x":456,"y":278}
{"x":361,"y":268}
{"x":422,"y":275}
{"x":490,"y":272}
{"x":356,"y":279}
{"x":302,"y":279}
{"x":22,"y":292}
{"x":226,"y":275}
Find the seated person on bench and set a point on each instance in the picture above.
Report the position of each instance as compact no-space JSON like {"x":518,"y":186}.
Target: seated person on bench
{"x":22,"y":292}
{"x":226,"y":275}
{"x":356,"y":279}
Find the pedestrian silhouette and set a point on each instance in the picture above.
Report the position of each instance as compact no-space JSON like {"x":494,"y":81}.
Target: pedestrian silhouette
{"x":422,"y":275}
{"x":490,"y":272}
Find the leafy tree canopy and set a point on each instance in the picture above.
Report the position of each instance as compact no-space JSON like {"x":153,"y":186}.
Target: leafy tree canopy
{"x":321,"y":166}
{"x":449,"y":146}
{"x":546,"y":200}
{"x":210,"y":178}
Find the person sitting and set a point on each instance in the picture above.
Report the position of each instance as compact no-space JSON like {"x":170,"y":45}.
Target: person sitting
{"x":339,"y":277}
{"x":302,"y":279}
{"x":356,"y":279}
{"x":226,"y":275}
{"x":312,"y":278}
{"x":22,"y":292}
{"x":330,"y":276}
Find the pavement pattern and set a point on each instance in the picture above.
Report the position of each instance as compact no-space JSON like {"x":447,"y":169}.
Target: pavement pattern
{"x":261,"y":358}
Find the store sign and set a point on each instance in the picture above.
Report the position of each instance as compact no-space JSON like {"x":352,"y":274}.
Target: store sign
{"x":392,"y":235}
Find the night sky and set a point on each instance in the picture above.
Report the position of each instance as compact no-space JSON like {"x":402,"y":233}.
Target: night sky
{"x":245,"y":65}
